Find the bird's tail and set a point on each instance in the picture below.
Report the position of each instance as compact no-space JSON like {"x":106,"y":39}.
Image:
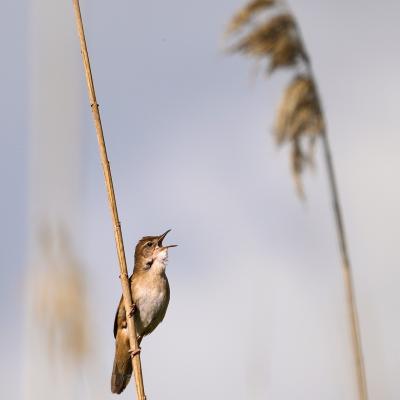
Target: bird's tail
{"x":122,"y":369}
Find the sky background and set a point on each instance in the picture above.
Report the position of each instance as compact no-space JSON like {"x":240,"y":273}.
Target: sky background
{"x":257,"y":305}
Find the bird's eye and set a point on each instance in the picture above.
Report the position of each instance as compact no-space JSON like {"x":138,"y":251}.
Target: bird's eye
{"x":149,"y":244}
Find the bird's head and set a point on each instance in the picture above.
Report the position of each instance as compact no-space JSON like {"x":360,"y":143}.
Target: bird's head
{"x":150,"y":252}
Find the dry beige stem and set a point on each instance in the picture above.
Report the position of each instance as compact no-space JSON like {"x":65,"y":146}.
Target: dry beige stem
{"x":126,"y":289}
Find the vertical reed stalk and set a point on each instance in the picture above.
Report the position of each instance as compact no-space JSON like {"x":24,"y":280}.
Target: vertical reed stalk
{"x":344,"y":254}
{"x":347,"y":274}
{"x":126,"y":290}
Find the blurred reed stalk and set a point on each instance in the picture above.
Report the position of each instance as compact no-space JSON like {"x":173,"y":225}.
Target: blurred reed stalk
{"x":126,"y":290}
{"x":267,"y":29}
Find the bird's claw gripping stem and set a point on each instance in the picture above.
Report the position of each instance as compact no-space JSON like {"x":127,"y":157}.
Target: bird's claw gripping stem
{"x":134,"y":352}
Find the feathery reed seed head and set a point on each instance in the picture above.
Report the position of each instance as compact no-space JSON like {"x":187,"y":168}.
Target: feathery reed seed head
{"x":246,"y":14}
{"x":299,"y":116}
{"x":278,"y":39}
{"x":298,"y":161}
{"x":299,"y":111}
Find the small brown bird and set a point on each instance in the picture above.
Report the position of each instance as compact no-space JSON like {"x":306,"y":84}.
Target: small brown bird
{"x":150,"y":295}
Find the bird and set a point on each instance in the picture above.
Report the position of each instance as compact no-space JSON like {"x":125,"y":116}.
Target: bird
{"x":150,"y":296}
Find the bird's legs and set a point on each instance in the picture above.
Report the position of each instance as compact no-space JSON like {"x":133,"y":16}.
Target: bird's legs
{"x":134,"y":352}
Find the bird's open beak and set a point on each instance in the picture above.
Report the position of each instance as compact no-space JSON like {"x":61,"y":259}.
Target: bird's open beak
{"x":161,"y":238}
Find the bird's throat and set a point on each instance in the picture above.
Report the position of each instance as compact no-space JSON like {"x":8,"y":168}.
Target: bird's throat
{"x":160,"y":262}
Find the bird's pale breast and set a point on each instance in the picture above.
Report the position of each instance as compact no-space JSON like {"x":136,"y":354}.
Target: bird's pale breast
{"x":151,"y":296}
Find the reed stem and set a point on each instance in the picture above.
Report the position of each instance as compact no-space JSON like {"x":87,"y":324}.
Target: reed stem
{"x":347,"y":274}
{"x":126,"y":290}
{"x":344,"y":254}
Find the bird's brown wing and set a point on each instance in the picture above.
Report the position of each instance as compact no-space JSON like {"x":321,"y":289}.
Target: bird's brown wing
{"x":120,"y":317}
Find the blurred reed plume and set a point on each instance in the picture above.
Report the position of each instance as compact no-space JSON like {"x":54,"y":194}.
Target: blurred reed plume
{"x":299,"y":115}
{"x":60,"y":300}
{"x":58,"y":353}
{"x":267,"y":30}
{"x":277,"y":39}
